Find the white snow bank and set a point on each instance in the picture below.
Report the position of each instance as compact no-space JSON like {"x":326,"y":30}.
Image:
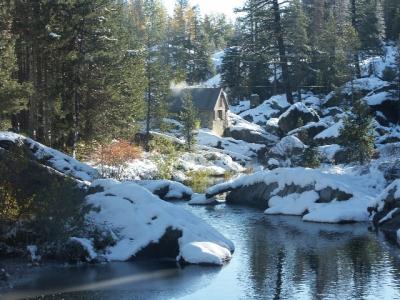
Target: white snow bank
{"x":139,"y":218}
{"x":55,"y":159}
{"x":314,"y":182}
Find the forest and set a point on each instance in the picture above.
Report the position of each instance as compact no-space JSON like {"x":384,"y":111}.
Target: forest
{"x":77,"y":71}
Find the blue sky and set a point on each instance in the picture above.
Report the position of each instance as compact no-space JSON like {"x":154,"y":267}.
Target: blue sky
{"x":209,"y":6}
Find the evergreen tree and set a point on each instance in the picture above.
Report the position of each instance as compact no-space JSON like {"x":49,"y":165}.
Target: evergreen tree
{"x":157,"y":69}
{"x":391,"y":9}
{"x":357,"y":136}
{"x":232,"y":75}
{"x":189,"y":120}
{"x":310,"y":158}
{"x":13,"y":95}
{"x":298,"y":45}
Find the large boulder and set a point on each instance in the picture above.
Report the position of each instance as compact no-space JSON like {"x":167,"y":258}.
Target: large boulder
{"x":386,"y":211}
{"x":386,"y":105}
{"x":241,"y":129}
{"x":287,"y":152}
{"x":312,"y":194}
{"x":167,"y":189}
{"x":296,"y":116}
{"x":307,"y":132}
{"x":270,"y":108}
{"x":330,"y":135}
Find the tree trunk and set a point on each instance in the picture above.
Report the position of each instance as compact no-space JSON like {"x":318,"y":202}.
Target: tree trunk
{"x":282,"y":52}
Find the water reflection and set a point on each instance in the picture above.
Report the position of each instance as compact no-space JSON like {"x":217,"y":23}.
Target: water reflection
{"x":276,"y":257}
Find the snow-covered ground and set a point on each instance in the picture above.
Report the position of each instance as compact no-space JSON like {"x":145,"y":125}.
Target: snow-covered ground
{"x":130,"y":212}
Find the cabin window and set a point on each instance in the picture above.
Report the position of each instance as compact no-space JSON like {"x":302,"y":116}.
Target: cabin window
{"x":220,"y":114}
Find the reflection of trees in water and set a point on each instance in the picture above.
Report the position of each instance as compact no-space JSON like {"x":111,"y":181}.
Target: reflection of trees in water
{"x":283,"y":261}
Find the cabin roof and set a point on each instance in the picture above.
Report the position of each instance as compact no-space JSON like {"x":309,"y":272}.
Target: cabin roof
{"x":204,"y":99}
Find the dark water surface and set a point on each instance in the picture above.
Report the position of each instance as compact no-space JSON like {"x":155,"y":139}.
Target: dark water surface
{"x":277,"y":257}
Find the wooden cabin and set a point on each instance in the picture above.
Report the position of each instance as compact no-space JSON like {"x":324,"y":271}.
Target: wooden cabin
{"x":211,"y":105}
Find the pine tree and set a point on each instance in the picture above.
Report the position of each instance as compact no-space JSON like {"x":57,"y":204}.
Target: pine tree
{"x":200,"y":67}
{"x":357,"y":136}
{"x":311,"y":158}
{"x":391,"y":10}
{"x":232,"y":73}
{"x":13,"y":95}
{"x":157,"y":69}
{"x":189,"y":120}
{"x":298,"y":45}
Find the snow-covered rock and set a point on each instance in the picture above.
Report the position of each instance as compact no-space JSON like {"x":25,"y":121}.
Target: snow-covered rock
{"x":167,"y":189}
{"x":329,"y":153}
{"x":241,"y":129}
{"x":315,"y":195}
{"x":330,"y":135}
{"x":375,"y":65}
{"x":237,"y":149}
{"x":297,"y":114}
{"x":287,"y":151}
{"x":201,"y":199}
{"x":307,"y":132}
{"x":361,"y":86}
{"x":140,"y":220}
{"x":386,"y":211}
{"x":210,"y":161}
{"x":385,"y":104}
{"x":241,"y":107}
{"x":270,"y":108}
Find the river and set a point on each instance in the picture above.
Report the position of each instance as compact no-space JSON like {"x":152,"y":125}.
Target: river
{"x":276,"y":257}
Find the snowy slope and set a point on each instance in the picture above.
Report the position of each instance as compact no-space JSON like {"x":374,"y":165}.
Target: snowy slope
{"x":53,"y":158}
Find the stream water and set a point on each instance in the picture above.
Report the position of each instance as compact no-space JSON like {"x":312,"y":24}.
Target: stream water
{"x":276,"y":257}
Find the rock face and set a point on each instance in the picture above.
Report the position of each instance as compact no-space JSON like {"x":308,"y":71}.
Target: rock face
{"x":255,"y":195}
{"x":297,"y":114}
{"x":386,"y":211}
